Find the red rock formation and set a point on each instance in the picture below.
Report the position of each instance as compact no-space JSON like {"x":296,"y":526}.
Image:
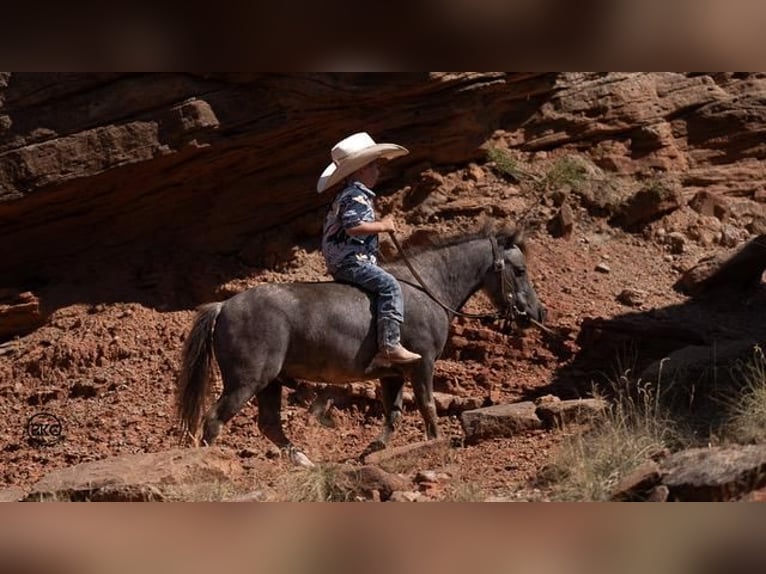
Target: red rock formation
{"x":117,"y":163}
{"x":98,"y":169}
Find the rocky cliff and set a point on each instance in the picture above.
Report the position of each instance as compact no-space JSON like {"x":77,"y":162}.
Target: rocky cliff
{"x":98,"y":170}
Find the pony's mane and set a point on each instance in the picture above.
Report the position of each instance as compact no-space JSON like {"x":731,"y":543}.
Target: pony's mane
{"x":425,"y":240}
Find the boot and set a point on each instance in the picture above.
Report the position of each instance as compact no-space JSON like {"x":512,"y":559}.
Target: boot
{"x":395,"y":354}
{"x":390,"y":351}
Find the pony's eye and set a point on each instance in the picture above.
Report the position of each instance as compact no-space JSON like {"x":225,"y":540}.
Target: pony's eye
{"x":519,"y":271}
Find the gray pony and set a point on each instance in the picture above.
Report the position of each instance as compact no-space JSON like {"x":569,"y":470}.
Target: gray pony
{"x":326,"y":332}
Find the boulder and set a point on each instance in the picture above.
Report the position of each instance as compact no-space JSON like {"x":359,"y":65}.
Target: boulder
{"x":557,"y":414}
{"x":640,"y":484}
{"x":370,"y":482}
{"x":499,"y":421}
{"x":647,"y":205}
{"x":699,"y":363}
{"x":20,"y":313}
{"x":741,"y":271}
{"x":157,"y":476}
{"x":408,"y":457}
{"x":714,"y":474}
{"x":711,"y":204}
{"x":12,"y":494}
{"x":562,"y":224}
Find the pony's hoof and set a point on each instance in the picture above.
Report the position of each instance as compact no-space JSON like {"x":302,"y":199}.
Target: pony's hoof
{"x":299,"y":459}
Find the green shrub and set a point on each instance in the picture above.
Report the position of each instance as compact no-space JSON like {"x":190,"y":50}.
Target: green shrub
{"x":566,"y":171}
{"x":507,"y":165}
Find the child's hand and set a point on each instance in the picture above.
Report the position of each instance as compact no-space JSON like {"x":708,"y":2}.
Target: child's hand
{"x":388,"y":224}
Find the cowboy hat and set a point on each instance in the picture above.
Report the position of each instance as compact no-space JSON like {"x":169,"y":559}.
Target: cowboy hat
{"x":353,"y":153}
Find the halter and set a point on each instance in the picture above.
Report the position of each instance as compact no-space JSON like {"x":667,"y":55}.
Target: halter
{"x":507,"y":296}
{"x":498,"y":265}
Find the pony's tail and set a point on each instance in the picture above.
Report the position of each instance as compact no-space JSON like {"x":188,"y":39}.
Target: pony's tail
{"x":194,"y":380}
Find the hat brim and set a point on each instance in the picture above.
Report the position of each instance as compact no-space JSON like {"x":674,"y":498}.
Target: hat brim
{"x":334,"y":174}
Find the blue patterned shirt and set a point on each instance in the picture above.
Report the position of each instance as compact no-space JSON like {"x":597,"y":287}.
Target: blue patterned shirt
{"x":351,"y":207}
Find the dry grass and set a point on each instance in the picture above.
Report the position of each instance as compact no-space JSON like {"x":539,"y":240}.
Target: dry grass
{"x":323,"y":483}
{"x":645,"y":419}
{"x":747,"y":412}
{"x":460,"y":489}
{"x":634,"y":428}
{"x":216,"y":491}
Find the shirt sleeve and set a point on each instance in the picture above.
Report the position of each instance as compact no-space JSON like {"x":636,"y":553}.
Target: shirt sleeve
{"x":354,"y":209}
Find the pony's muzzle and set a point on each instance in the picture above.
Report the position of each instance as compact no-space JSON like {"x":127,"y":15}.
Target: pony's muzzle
{"x":522,"y":313}
{"x":517,"y":307}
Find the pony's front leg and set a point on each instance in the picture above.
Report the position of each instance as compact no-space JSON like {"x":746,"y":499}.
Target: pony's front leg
{"x":423,"y":387}
{"x":270,"y":423}
{"x":391,"y":392}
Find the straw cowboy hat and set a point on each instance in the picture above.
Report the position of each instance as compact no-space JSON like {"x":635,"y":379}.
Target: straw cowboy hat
{"x":353,"y":153}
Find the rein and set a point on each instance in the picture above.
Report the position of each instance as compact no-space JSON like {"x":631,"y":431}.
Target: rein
{"x":498,"y":266}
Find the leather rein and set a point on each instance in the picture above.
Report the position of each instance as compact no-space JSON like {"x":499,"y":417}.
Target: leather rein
{"x":498,"y":266}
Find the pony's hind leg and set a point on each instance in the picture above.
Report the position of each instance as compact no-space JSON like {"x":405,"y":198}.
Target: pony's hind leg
{"x":229,"y":404}
{"x":270,"y":422}
{"x":243,"y":375}
{"x":391,"y":391}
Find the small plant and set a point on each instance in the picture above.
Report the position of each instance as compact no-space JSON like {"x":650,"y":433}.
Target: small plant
{"x":658,"y":189}
{"x":216,"y":491}
{"x":568,"y":171}
{"x":322,"y":483}
{"x":747,"y":413}
{"x":631,"y":431}
{"x":507,"y":165}
{"x":461,"y":490}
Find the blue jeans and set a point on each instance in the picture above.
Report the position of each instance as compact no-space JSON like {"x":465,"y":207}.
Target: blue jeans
{"x":389,"y":301}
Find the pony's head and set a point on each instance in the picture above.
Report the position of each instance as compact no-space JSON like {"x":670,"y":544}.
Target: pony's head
{"x":510,"y":285}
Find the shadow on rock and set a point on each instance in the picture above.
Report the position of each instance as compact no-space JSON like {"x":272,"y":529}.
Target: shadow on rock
{"x":692,"y":353}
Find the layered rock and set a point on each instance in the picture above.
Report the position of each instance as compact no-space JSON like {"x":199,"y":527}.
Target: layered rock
{"x":129,"y":163}
{"x":101,"y":169}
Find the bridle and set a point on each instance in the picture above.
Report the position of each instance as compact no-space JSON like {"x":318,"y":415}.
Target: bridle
{"x":508,"y":289}
{"x":510,"y":312}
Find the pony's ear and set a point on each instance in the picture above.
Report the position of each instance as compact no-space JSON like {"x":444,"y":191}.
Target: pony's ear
{"x":515,"y":237}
